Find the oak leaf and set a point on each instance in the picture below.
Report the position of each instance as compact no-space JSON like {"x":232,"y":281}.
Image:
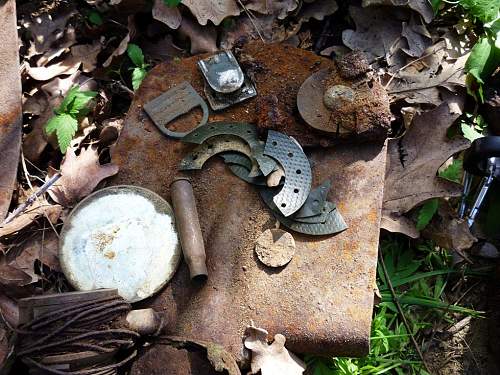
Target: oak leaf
{"x":413,"y":162}
{"x":213,"y":10}
{"x":79,"y":176}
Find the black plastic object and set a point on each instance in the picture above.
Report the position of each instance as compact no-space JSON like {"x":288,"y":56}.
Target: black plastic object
{"x":476,"y":157}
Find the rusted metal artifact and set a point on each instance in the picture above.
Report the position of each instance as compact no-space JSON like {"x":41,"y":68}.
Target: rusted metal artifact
{"x":173,"y":103}
{"x":226,"y":84}
{"x":297,"y":172}
{"x":10,"y":104}
{"x":188,"y":225}
{"x":311,"y":301}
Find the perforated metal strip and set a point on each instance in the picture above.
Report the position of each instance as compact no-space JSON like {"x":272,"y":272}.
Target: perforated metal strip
{"x":297,"y":169}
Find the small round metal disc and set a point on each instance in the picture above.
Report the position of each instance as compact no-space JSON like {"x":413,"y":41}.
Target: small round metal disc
{"x":275,"y":247}
{"x":121,"y":237}
{"x":311,"y":105}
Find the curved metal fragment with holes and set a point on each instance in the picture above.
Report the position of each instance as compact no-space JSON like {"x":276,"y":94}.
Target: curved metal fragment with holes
{"x":244,"y":174}
{"x":315,"y":201}
{"x":215,"y":145}
{"x":248,"y":132}
{"x":297,"y":171}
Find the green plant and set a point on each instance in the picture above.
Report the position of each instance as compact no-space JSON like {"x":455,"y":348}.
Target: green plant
{"x":426,"y":213}
{"x":172,"y":3}
{"x":65,"y":121}
{"x":95,"y":18}
{"x":139,"y":71}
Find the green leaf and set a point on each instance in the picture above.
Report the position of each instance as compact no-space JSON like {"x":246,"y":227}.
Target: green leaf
{"x":75,"y":101}
{"x":470,"y":133}
{"x":435,"y":5}
{"x":453,"y":172}
{"x":95,"y":18}
{"x":136,"y":55}
{"x":483,"y":10}
{"x":65,"y":127}
{"x":138,"y":75}
{"x":426,"y":213}
{"x":477,"y":62}
{"x":172,"y":3}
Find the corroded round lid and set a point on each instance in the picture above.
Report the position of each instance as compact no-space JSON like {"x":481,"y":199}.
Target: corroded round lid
{"x":120,"y":237}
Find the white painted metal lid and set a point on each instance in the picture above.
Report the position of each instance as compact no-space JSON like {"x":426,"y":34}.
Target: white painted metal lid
{"x":121,"y":237}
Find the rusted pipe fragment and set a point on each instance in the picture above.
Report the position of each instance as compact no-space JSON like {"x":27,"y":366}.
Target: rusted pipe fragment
{"x":188,"y":226}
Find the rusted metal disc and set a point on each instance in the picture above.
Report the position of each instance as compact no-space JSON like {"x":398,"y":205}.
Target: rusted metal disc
{"x":275,"y":247}
{"x":311,"y":105}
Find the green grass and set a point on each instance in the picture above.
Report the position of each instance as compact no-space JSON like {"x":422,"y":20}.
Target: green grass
{"x":419,"y":275}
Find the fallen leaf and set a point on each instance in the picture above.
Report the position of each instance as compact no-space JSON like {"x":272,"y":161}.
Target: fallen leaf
{"x":58,"y":87}
{"x":213,"y":10}
{"x":318,"y":10}
{"x":272,"y":359}
{"x":170,"y":16}
{"x":87,"y":54}
{"x":43,"y":248}
{"x":45,"y":30}
{"x":244,"y":28}
{"x":278,"y":8}
{"x":122,"y":47}
{"x":417,"y":156}
{"x":417,"y":37}
{"x":399,"y":224}
{"x":219,"y":358}
{"x":203,"y":38}
{"x":11,"y":276}
{"x":162,"y":50}
{"x":423,"y":7}
{"x":43,"y":73}
{"x":38,"y":208}
{"x":376,"y":32}
{"x":62,"y":46}
{"x":79,"y":176}
{"x":447,"y":231}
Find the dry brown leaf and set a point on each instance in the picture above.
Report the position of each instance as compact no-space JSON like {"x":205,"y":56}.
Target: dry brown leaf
{"x":399,"y":224}
{"x":122,"y":47}
{"x":162,"y":50}
{"x":421,"y":6}
{"x":203,"y":38}
{"x":38,"y":208}
{"x":87,"y":54}
{"x":61,"y":47}
{"x":58,"y":87}
{"x":278,"y":8}
{"x":318,"y":10}
{"x":447,"y":231}
{"x":170,"y":16}
{"x":44,"y":249}
{"x":79,"y":176}
{"x":213,"y":10}
{"x":43,"y":73}
{"x":11,"y":276}
{"x":45,"y":30}
{"x":272,"y":359}
{"x":243,"y":28}
{"x":413,"y":161}
{"x":376,"y":32}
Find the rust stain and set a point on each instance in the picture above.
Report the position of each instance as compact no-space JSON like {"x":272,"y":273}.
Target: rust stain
{"x":322,"y":300}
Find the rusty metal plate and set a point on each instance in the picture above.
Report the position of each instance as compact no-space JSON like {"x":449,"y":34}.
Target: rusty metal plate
{"x":171,"y":104}
{"x":297,"y":171}
{"x":11,"y":119}
{"x":323,"y":300}
{"x":243,"y":130}
{"x":213,"y":146}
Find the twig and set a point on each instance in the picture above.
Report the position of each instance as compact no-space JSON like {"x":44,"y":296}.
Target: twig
{"x":401,"y":312}
{"x":251,"y":19}
{"x":31,"y":199}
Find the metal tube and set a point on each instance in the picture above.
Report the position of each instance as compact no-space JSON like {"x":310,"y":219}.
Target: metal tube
{"x":188,"y":226}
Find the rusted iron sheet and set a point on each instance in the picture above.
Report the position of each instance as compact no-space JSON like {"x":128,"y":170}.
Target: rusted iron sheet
{"x":10,"y":104}
{"x":322,"y":300}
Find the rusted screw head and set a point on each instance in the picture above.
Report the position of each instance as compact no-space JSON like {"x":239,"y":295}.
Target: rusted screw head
{"x":338,"y":95}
